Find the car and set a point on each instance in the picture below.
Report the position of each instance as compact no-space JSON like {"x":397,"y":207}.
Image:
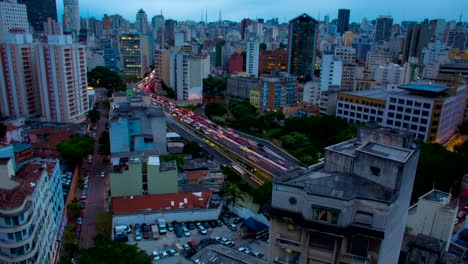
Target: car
{"x":192,"y":244}
{"x":230,"y":243}
{"x":179,"y":247}
{"x":90,"y":158}
{"x":186,"y":247}
{"x":213,"y":223}
{"x":156,"y":255}
{"x":178,"y":232}
{"x":191,"y":225}
{"x":121,"y":238}
{"x":164,"y":254}
{"x":186,"y":232}
{"x":225,"y":220}
{"x":138,"y":235}
{"x":172,"y":252}
{"x":83,"y":196}
{"x":206,"y":225}
{"x":219,"y":223}
{"x":244,"y":250}
{"x":146,"y":231}
{"x":199,"y":224}
{"x":79,"y":220}
{"x":233,"y":227}
{"x":238,"y":220}
{"x":82,"y":205}
{"x":170,"y":227}
{"x":103,"y":174}
{"x":256,"y":254}
{"x":202,"y":230}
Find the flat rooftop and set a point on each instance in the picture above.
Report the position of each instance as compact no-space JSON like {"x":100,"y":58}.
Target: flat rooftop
{"x":376,"y":93}
{"x":386,"y":151}
{"x":218,"y":253}
{"x":436,"y":196}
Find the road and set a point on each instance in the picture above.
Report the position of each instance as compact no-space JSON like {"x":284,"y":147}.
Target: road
{"x":96,"y":201}
{"x":218,"y":156}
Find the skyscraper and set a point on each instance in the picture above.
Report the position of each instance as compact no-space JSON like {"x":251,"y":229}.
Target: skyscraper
{"x":417,"y":38}
{"x":343,"y":20}
{"x":18,"y":87}
{"x":71,"y":17}
{"x":62,"y":79}
{"x":158,"y":30}
{"x":130,"y":51}
{"x":39,"y":11}
{"x":13,"y":16}
{"x":302,"y":45}
{"x":253,"y":49}
{"x":141,"y":23}
{"x":169,"y":31}
{"x":383,"y":28}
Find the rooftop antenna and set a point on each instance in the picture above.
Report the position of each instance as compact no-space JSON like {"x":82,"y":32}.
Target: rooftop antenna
{"x":220,"y":15}
{"x":161,"y":12}
{"x":206,"y":15}
{"x":201,"y":18}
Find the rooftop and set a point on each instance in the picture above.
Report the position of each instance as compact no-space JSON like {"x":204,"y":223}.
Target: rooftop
{"x":386,"y":151}
{"x":423,"y":88}
{"x":26,"y":178}
{"x":160,"y":202}
{"x":436,"y":196}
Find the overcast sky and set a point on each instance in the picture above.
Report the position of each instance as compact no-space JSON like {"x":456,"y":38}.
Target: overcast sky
{"x":283,"y":9}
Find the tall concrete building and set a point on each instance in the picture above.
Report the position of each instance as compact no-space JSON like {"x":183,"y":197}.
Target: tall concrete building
{"x":141,"y":23}
{"x":417,"y":38}
{"x":273,"y":61}
{"x":19,"y":90}
{"x":32,"y":217}
{"x":13,"y":16}
{"x":430,"y":111}
{"x":252,"y":57}
{"x":277,"y":92}
{"x":39,"y":11}
{"x":350,"y":208}
{"x":347,"y":56}
{"x":157,"y":22}
{"x":187,"y":74}
{"x":62,"y":79}
{"x":52,"y":27}
{"x":331,"y":71}
{"x":71,"y":17}
{"x":136,"y":126}
{"x":161,"y":68}
{"x":389,"y":74}
{"x":130,"y":52}
{"x":303,"y":32}
{"x":343,"y":20}
{"x":383,"y":28}
{"x":169,"y":33}
{"x":435,"y":54}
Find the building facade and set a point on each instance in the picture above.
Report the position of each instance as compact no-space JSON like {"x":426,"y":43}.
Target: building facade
{"x":62,"y":79}
{"x":19,"y":90}
{"x":161,"y":68}
{"x":350,"y":208}
{"x":277,"y":92}
{"x":331,"y":71}
{"x":71,"y":17}
{"x":240,"y":87}
{"x":431,"y":112}
{"x":389,"y":74}
{"x":13,"y":16}
{"x":130,"y":52}
{"x":39,"y":11}
{"x":252,"y":58}
{"x":383,"y":28}
{"x":343,"y":20}
{"x":32,"y":215}
{"x":273,"y":61}
{"x":303,"y":33}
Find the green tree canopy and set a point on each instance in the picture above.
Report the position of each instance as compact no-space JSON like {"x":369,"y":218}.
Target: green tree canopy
{"x":215,"y":109}
{"x":101,"y":76}
{"x":192,"y":148}
{"x":94,"y":115}
{"x":462,"y":148}
{"x":104,"y":224}
{"x":76,"y":148}
{"x":214,"y":86}
{"x":169,"y":91}
{"x":109,"y":251}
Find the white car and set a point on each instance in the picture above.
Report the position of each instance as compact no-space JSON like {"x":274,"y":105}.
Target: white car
{"x":186,"y":232}
{"x":138,"y":236}
{"x":156,"y":255}
{"x":103,"y":174}
{"x":164,"y":254}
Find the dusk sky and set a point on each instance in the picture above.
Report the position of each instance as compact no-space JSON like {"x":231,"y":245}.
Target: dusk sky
{"x":285,"y":10}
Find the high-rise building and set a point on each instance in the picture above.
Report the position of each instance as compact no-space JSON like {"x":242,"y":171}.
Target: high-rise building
{"x":417,"y":38}
{"x":383,"y":28}
{"x":71,"y":17}
{"x":245,"y":23}
{"x":348,"y":37}
{"x":343,"y":20}
{"x":377,"y":57}
{"x":161,"y":68}
{"x":169,"y":31}
{"x":130,"y":52}
{"x":252,"y":58}
{"x":52,"y":27}
{"x":273,"y":61}
{"x":62,"y":79}
{"x":19,"y":90}
{"x":458,"y":38}
{"x":347,"y":56}
{"x":331,"y":70}
{"x":277,"y":92}
{"x":13,"y":16}
{"x":187,"y":74}
{"x":32,"y":206}
{"x":432,"y":56}
{"x":350,"y":208}
{"x":430,"y":111}
{"x":39,"y":11}
{"x":389,"y":74}
{"x":158,"y":31}
{"x":302,"y":44}
{"x":141,"y":23}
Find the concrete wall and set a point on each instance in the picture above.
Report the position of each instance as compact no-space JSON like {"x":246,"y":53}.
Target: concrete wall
{"x":128,"y":182}
{"x":174,"y":215}
{"x":119,"y":135}
{"x":388,"y":169}
{"x":158,"y":128}
{"x":161,"y":182}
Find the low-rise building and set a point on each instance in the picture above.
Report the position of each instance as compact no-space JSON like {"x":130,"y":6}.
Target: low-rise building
{"x":240,"y":87}
{"x":350,"y":208}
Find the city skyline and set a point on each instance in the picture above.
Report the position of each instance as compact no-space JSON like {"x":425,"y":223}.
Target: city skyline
{"x":283,"y":11}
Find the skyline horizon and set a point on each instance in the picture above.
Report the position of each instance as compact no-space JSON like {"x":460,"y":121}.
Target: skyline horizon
{"x":171,"y":10}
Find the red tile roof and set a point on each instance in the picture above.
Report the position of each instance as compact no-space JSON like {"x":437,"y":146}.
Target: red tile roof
{"x":11,"y":127}
{"x":45,"y":140}
{"x":10,"y":199}
{"x":194,"y":176}
{"x":159,"y":202}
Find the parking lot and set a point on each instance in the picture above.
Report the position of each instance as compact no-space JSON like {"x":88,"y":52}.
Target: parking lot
{"x":219,"y":233}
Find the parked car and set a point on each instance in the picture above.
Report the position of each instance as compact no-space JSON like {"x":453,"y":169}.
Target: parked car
{"x":225,"y":220}
{"x":233,"y":227}
{"x":213,"y":223}
{"x":186,"y":232}
{"x":173,"y":252}
{"x":219,"y":223}
{"x":191,"y":225}
{"x":146,"y":231}
{"x":244,"y":250}
{"x":156,"y":255}
{"x":138,"y":235}
{"x":170,"y":228}
{"x":206,"y":225}
{"x":238,"y":220}
{"x":202,"y":230}
{"x":164,"y":254}
{"x":179,"y":247}
{"x":256,"y":254}
{"x":137,"y":227}
{"x":192,"y":244}
{"x":186,"y":247}
{"x":230,"y":243}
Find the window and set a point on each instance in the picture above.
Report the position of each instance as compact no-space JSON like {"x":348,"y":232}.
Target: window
{"x":391,"y":107}
{"x":10,"y":236}
{"x":363,"y":218}
{"x":389,"y":122}
{"x":326,"y":215}
{"x":425,"y":113}
{"x":397,"y":123}
{"x":426,"y":105}
{"x":392,"y":115}
{"x":416,"y":112}
{"x":375,"y":171}
{"x":415,"y":119}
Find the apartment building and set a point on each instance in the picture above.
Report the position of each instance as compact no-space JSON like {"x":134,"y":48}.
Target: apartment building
{"x":252,"y":58}
{"x":13,"y":17}
{"x":350,"y":208}
{"x":277,"y":92}
{"x":431,"y":111}
{"x":161,"y":67}
{"x":61,"y":66}
{"x":32,"y":215}
{"x":240,"y":87}
{"x":19,"y":91}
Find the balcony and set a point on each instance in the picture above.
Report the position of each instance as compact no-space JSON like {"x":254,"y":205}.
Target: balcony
{"x":288,"y":243}
{"x":353,"y":259}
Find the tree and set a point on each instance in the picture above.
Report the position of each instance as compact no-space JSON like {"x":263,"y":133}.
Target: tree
{"x":230,"y":193}
{"x":106,"y":104}
{"x":101,"y":76}
{"x":462,"y":148}
{"x":463,"y":128}
{"x":263,"y":193}
{"x":104,"y":143}
{"x":110,"y":251}
{"x":192,"y":148}
{"x":74,"y":209}
{"x":104,"y":224}
{"x":76,"y":148}
{"x":214,"y":109}
{"x":93,"y":115}
{"x":263,"y":46}
{"x":214,"y":86}
{"x":295,"y":140}
{"x":69,"y":240}
{"x":169,"y":91}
